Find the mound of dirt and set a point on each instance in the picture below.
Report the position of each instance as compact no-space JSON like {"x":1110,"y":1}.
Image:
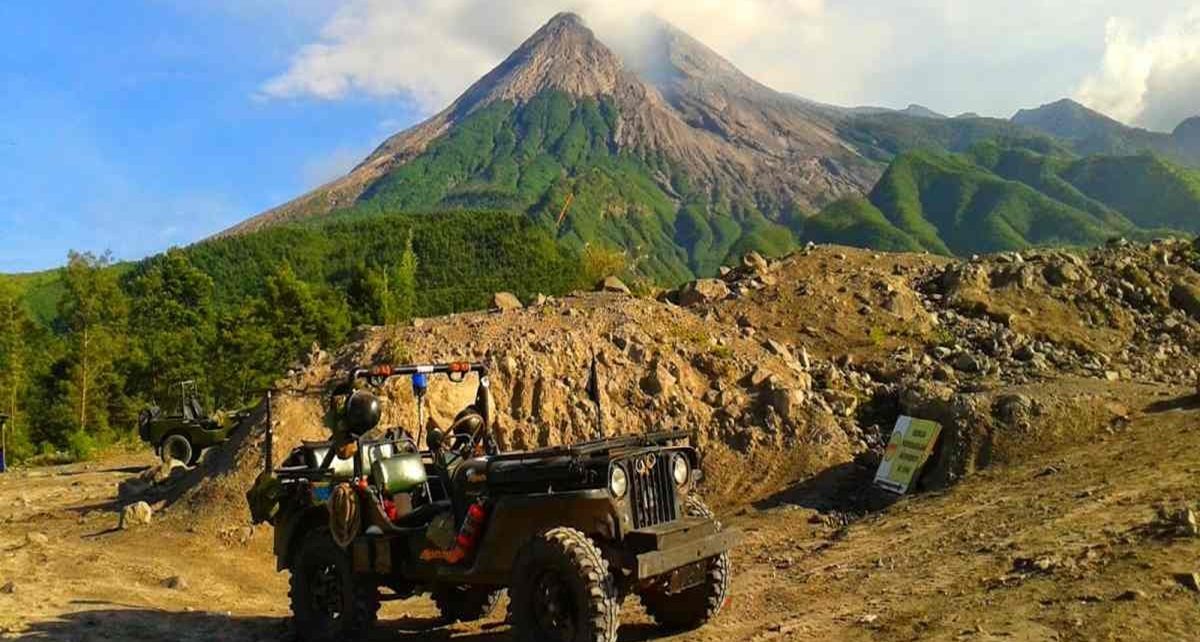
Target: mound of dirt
{"x":786,"y":368}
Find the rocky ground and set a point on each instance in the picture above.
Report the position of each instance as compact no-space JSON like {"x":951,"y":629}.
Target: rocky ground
{"x":1056,"y":509}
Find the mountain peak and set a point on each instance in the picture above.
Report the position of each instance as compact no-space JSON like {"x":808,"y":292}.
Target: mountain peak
{"x":563,"y":55}
{"x":566,"y":19}
{"x":1188,"y":132}
{"x":1068,"y":119}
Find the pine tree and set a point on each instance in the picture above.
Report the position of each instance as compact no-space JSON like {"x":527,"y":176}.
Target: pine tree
{"x":15,"y":326}
{"x":94,"y":311}
{"x":404,"y":285}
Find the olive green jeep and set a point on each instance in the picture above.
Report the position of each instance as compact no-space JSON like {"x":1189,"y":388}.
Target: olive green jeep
{"x":569,"y":531}
{"x":185,"y":434}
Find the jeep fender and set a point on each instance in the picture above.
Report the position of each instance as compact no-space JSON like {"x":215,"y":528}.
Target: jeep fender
{"x":291,"y":529}
{"x":514,"y":520}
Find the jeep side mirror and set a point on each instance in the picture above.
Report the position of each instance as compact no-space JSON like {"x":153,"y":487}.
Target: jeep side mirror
{"x":434,"y":440}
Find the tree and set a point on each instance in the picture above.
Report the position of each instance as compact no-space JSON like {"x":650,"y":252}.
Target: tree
{"x":172,"y":323}
{"x":245,"y":356}
{"x":93,"y":310}
{"x":15,"y":330}
{"x":297,"y":314}
{"x":369,"y":295}
{"x":404,"y":285}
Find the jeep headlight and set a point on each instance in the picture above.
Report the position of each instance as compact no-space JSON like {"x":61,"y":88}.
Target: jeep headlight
{"x":680,"y":470}
{"x":618,"y":482}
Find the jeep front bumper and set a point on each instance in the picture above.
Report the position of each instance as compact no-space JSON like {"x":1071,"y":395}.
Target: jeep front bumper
{"x":661,"y":549}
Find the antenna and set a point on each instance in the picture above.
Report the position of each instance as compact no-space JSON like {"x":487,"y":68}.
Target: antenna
{"x":420,"y":384}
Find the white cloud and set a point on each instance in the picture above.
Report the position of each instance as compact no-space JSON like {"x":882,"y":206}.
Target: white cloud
{"x":1151,"y":80}
{"x":428,"y":51}
{"x":988,"y":56}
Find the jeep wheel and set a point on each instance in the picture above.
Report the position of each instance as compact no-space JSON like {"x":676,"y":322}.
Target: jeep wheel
{"x":562,"y":591}
{"x":177,"y":447}
{"x":328,"y":605}
{"x":465,"y":603}
{"x":693,"y":607}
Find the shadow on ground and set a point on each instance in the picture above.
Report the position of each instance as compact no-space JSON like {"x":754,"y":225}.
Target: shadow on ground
{"x":846,"y":489}
{"x":113,"y":622}
{"x":1186,"y":402}
{"x":120,"y":623}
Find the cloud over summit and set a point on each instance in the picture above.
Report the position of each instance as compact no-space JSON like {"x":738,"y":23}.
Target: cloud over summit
{"x":1136,"y":62}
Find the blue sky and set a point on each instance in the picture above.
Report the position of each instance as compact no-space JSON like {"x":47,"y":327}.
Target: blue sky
{"x":134,"y":125}
{"x":138,"y":129}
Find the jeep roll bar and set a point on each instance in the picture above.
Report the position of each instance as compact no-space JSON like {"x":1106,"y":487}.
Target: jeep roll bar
{"x":456,"y":370}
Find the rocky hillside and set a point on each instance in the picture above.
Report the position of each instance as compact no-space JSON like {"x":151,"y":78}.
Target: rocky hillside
{"x":787,"y":368}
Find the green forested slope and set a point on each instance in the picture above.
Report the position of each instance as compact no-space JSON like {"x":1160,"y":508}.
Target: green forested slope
{"x":1010,"y":194}
{"x":529,"y":158}
{"x":234,"y":313}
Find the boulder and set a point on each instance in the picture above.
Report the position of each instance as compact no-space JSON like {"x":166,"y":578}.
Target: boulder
{"x":1060,"y":274}
{"x":505,"y":301}
{"x":789,"y":403}
{"x":136,"y":514}
{"x":702,"y":291}
{"x":35,"y":538}
{"x":780,"y":349}
{"x":755,"y":262}
{"x":613,"y":284}
{"x":1186,"y":297}
{"x":176,"y":583}
{"x":658,"y":381}
{"x":166,"y":472}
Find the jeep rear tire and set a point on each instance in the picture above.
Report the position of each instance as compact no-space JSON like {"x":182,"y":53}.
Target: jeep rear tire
{"x":177,"y":447}
{"x":328,"y":604}
{"x":562,"y":591}
{"x":694,"y":607}
{"x":465,"y":603}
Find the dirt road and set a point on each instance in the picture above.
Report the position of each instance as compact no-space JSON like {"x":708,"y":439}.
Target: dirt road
{"x":1063,"y":547}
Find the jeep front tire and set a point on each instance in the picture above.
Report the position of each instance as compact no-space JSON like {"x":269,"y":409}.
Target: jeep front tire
{"x":694,"y":607}
{"x":328,"y":604}
{"x":562,"y":591}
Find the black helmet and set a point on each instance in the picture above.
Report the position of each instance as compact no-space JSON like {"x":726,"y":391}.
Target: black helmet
{"x":362,"y":413}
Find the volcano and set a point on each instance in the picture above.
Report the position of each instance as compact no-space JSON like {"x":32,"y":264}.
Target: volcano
{"x":674,"y":154}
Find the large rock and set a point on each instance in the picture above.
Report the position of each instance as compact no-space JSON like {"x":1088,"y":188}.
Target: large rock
{"x":613,"y":284}
{"x":136,"y":514}
{"x":1186,"y":297}
{"x":505,"y":301}
{"x":166,"y":472}
{"x":756,"y":262}
{"x":1060,"y":274}
{"x":658,"y":381}
{"x":789,"y":403}
{"x":702,"y":291}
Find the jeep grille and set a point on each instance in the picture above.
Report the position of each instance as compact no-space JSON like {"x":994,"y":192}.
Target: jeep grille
{"x":651,"y":490}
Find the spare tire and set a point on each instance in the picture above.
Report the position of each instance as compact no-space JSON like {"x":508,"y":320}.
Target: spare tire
{"x":177,"y":447}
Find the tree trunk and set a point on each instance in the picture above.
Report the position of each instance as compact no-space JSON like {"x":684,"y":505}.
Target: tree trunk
{"x":83,"y":384}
